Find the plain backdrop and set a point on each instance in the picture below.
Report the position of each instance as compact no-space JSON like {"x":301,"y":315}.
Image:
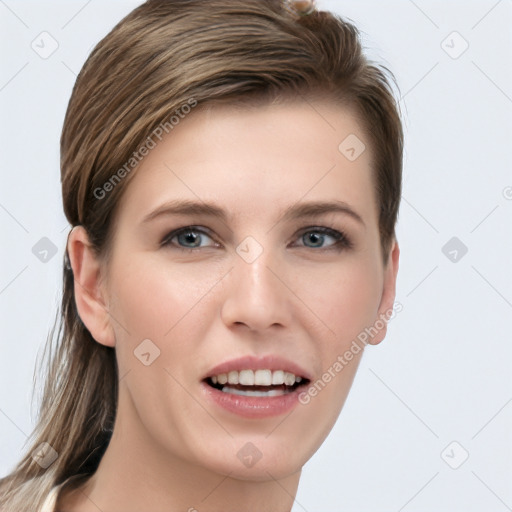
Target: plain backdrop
{"x":428,"y":423}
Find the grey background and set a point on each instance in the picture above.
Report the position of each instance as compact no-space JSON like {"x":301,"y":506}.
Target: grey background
{"x":443,"y":372}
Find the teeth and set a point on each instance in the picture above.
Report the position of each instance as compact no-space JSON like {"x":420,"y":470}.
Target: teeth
{"x":246,"y":378}
{"x":278,"y":377}
{"x":250,"y":392}
{"x":263,"y":378}
{"x":289,"y":379}
{"x":257,"y":378}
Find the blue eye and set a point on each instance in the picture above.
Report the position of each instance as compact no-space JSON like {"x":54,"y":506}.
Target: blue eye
{"x":318,"y":235}
{"x":188,"y":238}
{"x":191,"y":237}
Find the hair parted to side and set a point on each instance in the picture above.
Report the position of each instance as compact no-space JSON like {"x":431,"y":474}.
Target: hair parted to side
{"x":166,"y":54}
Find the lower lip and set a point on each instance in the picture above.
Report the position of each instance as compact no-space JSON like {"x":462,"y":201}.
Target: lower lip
{"x":253,"y":406}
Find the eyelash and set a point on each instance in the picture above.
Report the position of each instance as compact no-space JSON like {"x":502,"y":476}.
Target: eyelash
{"x":342,"y":242}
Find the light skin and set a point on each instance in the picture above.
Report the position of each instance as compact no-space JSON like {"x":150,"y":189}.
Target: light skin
{"x":303,"y":298}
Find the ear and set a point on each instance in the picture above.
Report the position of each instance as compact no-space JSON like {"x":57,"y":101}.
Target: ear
{"x":388,"y":294}
{"x":90,"y":296}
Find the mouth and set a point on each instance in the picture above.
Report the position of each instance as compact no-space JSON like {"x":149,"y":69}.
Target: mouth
{"x":263,"y":383}
{"x":255,"y":387}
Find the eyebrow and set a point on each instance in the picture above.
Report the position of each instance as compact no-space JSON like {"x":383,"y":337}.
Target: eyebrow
{"x":295,"y":211}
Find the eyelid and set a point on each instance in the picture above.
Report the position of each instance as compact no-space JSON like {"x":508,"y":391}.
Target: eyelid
{"x":342,"y":241}
{"x":198,"y":229}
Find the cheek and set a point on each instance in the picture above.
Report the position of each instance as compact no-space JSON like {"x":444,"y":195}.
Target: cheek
{"x":347,"y":302}
{"x":169,"y":305}
{"x":345,"y":298}
{"x":153,"y":298}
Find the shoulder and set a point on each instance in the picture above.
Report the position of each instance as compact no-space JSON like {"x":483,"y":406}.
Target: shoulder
{"x":51,"y":500}
{"x":60,"y":495}
{"x":68,"y":495}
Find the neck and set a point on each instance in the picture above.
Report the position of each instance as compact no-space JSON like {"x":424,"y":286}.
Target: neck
{"x":136,"y":473}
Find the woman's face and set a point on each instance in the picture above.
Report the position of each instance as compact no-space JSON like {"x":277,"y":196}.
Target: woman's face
{"x":282,"y":270}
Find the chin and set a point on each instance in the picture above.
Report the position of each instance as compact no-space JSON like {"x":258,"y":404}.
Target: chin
{"x":256,"y":458}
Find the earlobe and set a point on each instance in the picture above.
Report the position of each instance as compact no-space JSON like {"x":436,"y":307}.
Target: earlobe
{"x":388,"y":294}
{"x":89,"y":294}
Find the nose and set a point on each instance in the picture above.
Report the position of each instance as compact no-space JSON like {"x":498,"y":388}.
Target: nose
{"x":257,"y":294}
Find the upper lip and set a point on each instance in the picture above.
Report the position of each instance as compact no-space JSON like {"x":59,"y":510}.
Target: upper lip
{"x":268,"y":362}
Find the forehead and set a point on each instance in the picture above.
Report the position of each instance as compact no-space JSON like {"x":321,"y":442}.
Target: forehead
{"x":254,"y":159}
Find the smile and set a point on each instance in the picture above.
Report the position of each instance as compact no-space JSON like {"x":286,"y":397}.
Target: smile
{"x":255,"y":387}
{"x":259,"y":383}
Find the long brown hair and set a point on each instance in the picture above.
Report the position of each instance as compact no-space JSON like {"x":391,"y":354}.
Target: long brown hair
{"x":155,"y":66}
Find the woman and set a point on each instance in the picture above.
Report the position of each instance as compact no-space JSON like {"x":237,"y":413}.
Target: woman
{"x":232,"y":173}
